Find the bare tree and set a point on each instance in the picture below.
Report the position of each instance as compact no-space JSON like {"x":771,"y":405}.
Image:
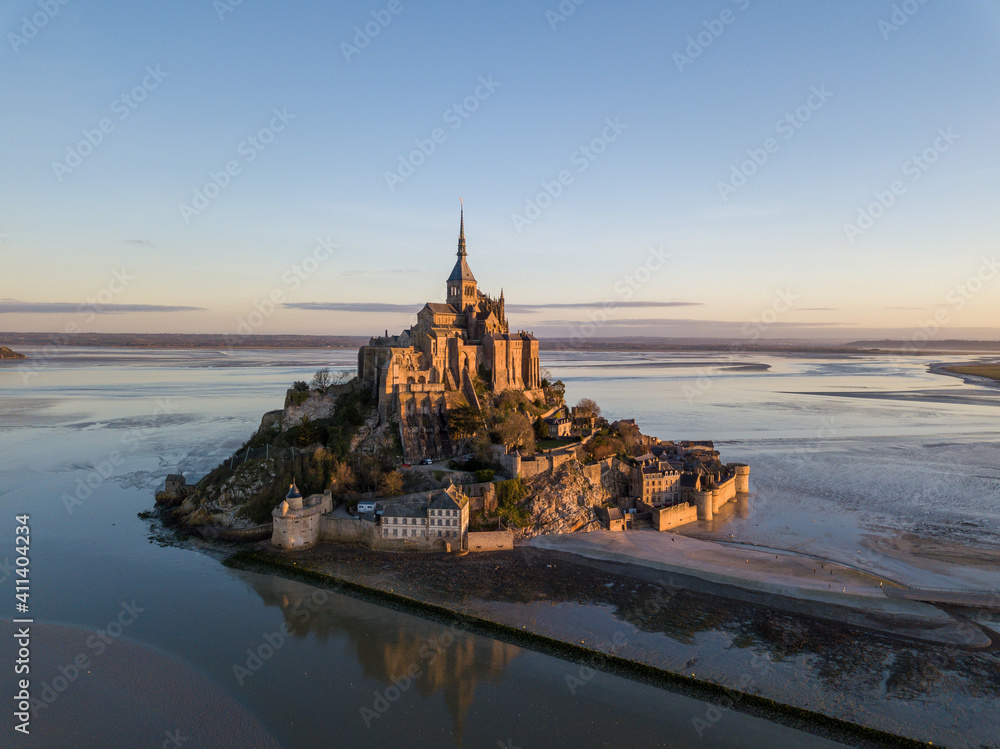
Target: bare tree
{"x":588,"y":407}
{"x":517,"y":430}
{"x":321,"y":380}
{"x":391,"y":484}
{"x":342,"y":479}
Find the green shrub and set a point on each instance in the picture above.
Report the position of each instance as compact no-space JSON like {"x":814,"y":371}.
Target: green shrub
{"x":483,"y":475}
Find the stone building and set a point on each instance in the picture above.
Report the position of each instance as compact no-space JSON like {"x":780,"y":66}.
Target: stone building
{"x":419,"y":374}
{"x":445,"y":517}
{"x":296,"y":521}
{"x":655,"y":481}
{"x":559,"y":427}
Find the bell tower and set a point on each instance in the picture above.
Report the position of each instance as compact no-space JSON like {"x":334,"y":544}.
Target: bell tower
{"x":461,"y":283}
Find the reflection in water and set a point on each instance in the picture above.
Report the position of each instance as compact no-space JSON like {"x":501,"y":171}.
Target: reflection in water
{"x":436,"y":657}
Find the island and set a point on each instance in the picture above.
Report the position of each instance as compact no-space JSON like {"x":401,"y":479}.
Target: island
{"x":447,"y":477}
{"x":6,"y":353}
{"x":450,"y":437}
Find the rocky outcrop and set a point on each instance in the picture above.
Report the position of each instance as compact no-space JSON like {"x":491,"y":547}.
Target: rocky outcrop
{"x":562,"y":502}
{"x":316,"y":405}
{"x":6,"y":353}
{"x":223,"y":504}
{"x":271,"y":422}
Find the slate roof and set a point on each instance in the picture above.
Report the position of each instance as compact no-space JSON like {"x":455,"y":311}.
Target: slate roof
{"x":401,"y":511}
{"x":461,"y":271}
{"x":689,"y":480}
{"x":445,"y":501}
{"x":441,"y":309}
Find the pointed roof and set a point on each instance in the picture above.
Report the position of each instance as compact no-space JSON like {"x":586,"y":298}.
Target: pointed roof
{"x":461,"y":232}
{"x":461,"y":271}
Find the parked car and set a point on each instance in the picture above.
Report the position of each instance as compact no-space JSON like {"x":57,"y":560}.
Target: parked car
{"x":426,"y":462}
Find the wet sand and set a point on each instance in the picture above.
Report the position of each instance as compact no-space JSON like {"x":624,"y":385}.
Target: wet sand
{"x":125,"y":695}
{"x":872,"y":668}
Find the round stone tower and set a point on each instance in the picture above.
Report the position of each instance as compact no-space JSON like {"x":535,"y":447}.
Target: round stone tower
{"x":742,"y":478}
{"x":293,"y":498}
{"x":703,"y":501}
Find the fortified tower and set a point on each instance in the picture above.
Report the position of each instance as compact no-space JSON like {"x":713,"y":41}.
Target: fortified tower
{"x":461,"y":283}
{"x":424,"y":371}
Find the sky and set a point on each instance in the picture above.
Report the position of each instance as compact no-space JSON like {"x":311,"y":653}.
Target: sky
{"x":736,"y":169}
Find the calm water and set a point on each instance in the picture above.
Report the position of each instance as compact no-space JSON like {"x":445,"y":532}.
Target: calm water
{"x":920,"y":459}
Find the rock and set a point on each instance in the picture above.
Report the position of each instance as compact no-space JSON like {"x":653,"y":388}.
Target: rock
{"x":271,"y":421}
{"x":562,"y":502}
{"x":6,"y":353}
{"x":316,"y":406}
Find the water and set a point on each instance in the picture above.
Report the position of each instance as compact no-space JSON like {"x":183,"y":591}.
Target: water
{"x":87,"y":435}
{"x":869,"y":461}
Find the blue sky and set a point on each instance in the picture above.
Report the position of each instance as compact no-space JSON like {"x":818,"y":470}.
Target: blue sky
{"x":701,"y":197}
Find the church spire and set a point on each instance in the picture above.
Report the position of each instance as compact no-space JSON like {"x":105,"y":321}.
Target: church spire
{"x":461,"y":231}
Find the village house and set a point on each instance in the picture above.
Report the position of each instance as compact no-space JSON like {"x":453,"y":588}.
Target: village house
{"x":445,"y":517}
{"x":654,"y":481}
{"x":558,"y":427}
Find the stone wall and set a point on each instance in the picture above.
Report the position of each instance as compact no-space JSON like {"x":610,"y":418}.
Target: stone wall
{"x":491,"y":541}
{"x":545,"y":463}
{"x":346,"y":530}
{"x":482,"y":496}
{"x":665,"y":518}
{"x":302,"y":532}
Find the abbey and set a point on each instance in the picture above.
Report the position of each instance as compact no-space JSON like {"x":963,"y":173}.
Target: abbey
{"x":424,"y":371}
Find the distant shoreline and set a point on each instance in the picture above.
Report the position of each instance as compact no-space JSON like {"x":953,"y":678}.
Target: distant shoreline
{"x":983,"y":375}
{"x":632,"y":344}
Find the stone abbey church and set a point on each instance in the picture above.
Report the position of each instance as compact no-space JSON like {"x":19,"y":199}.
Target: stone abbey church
{"x":424,"y":371}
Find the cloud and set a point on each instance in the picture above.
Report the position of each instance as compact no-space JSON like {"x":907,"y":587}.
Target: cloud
{"x":817,"y":309}
{"x":353,"y":307}
{"x":141,"y":243}
{"x":14,"y":307}
{"x":410,"y":308}
{"x":634,"y":322}
{"x":591,"y":305}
